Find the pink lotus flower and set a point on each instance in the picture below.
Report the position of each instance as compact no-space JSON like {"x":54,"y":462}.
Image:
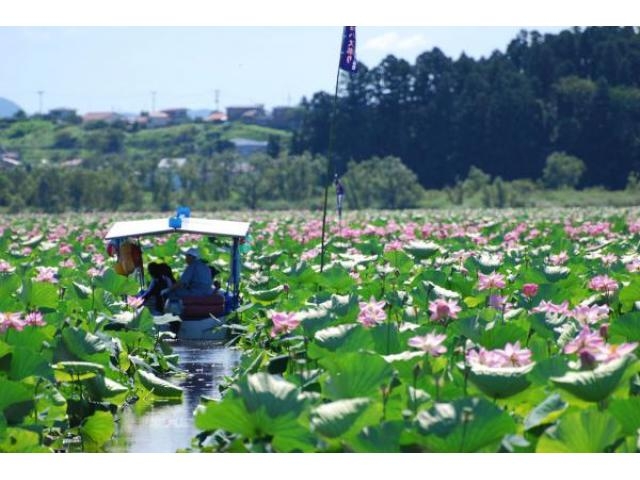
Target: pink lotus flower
{"x":499,"y":302}
{"x":47,"y":274}
{"x":613,"y":352}
{"x":283,"y":323}
{"x":393,"y":246}
{"x":633,"y":266}
{"x":134,"y":302}
{"x":603,"y":283}
{"x":484,"y":357}
{"x":587,"y":315}
{"x":430,"y":344}
{"x":530,"y":290}
{"x":442,"y":309}
{"x":608,"y":259}
{"x":559,"y":259}
{"x":552,"y":308}
{"x":94,"y":272}
{"x":11,"y":320}
{"x":493,"y":280}
{"x":65,"y":249}
{"x":5,"y":267}
{"x":514,"y":356}
{"x":586,"y":340}
{"x":35,"y":319}
{"x":372,"y":313}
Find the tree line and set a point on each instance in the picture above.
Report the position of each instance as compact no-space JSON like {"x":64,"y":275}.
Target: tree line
{"x":575,"y":93}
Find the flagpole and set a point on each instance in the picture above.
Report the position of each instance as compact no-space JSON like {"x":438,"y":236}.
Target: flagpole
{"x":330,"y":152}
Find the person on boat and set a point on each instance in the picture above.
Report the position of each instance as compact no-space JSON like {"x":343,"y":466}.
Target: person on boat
{"x":195,"y":280}
{"x":160,"y":280}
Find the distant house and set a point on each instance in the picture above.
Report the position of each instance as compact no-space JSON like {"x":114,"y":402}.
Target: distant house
{"x":172,"y":163}
{"x":62,"y":114}
{"x":74,"y":162}
{"x":177,"y":115}
{"x":246,"y":147}
{"x":158,"y":119}
{"x":7,"y":162}
{"x":216,"y":117}
{"x":107,"y":117}
{"x":248,"y":113}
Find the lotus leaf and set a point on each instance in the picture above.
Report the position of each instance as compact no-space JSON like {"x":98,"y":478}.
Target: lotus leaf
{"x":500,"y":382}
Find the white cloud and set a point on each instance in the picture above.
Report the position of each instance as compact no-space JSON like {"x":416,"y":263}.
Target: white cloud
{"x":392,"y":41}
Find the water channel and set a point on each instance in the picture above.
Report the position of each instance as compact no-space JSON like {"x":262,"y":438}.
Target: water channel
{"x":166,"y":428}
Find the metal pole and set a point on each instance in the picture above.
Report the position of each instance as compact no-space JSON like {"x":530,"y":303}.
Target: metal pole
{"x":329,"y":154}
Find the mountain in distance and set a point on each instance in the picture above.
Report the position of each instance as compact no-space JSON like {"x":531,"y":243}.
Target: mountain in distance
{"x":7,"y":108}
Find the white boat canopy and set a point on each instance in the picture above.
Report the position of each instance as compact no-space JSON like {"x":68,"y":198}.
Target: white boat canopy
{"x":155,"y":226}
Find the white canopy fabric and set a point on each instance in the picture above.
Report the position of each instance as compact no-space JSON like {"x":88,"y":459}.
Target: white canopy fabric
{"x":136,"y":228}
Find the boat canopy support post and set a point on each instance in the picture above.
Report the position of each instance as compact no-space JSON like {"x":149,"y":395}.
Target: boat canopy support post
{"x":235,"y":271}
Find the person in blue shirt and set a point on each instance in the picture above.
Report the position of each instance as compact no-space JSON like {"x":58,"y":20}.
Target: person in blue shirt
{"x":195,"y":280}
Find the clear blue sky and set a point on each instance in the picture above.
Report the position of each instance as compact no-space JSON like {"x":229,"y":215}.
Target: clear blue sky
{"x":117,"y":68}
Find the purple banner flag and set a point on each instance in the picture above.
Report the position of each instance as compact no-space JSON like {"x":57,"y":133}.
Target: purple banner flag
{"x":348,"y":50}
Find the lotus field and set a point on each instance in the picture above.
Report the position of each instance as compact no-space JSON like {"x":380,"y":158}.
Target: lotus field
{"x":461,"y":331}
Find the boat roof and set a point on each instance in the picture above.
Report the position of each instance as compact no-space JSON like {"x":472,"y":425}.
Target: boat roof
{"x":156,"y":226}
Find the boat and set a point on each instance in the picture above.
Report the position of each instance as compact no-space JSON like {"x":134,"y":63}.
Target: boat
{"x":196,"y":317}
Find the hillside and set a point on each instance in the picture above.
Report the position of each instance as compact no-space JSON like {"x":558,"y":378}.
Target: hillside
{"x":37,"y":139}
{"x":8,"y":108}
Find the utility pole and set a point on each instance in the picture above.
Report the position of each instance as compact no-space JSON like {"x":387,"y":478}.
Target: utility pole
{"x":153,"y":100}
{"x":40,"y":92}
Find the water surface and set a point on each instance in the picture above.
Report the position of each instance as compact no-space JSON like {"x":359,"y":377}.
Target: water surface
{"x":165,"y":428}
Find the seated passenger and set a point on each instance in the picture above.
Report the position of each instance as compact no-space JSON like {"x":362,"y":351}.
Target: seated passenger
{"x":196,"y":279}
{"x":159,"y":282}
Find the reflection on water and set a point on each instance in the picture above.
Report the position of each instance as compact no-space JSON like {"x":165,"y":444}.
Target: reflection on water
{"x":167,"y":428}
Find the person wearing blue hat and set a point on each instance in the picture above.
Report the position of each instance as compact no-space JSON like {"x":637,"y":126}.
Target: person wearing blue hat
{"x":196,"y":278}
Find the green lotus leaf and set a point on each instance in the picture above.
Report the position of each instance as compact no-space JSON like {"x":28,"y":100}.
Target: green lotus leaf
{"x":500,"y":382}
{"x":269,"y":258}
{"x":588,"y":431}
{"x":546,"y":412}
{"x":499,"y":335}
{"x":82,"y":344}
{"x":158,"y":386}
{"x":556,"y":272}
{"x":76,"y":371}
{"x":20,"y":440}
{"x":265,"y":297}
{"x":353,"y":375}
{"x":465,"y":425}
{"x":627,"y":412}
{"x":348,"y":337}
{"x":13,"y":392}
{"x":441,"y":292}
{"x":382,"y":438}
{"x":98,"y":428}
{"x":30,"y":242}
{"x":594,"y":385}
{"x":258,"y":407}
{"x":116,"y":284}
{"x":40,"y":294}
{"x":626,"y":326}
{"x":26,"y":362}
{"x":421,"y":250}
{"x":334,"y":419}
{"x":628,"y":295}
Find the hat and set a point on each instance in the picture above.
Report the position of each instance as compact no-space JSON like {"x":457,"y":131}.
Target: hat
{"x":193,"y":252}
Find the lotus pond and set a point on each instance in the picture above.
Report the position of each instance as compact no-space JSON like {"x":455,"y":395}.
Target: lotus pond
{"x":460,"y":331}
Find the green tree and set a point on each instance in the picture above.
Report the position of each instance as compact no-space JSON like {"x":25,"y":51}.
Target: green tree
{"x":562,"y":170}
{"x":382,"y":183}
